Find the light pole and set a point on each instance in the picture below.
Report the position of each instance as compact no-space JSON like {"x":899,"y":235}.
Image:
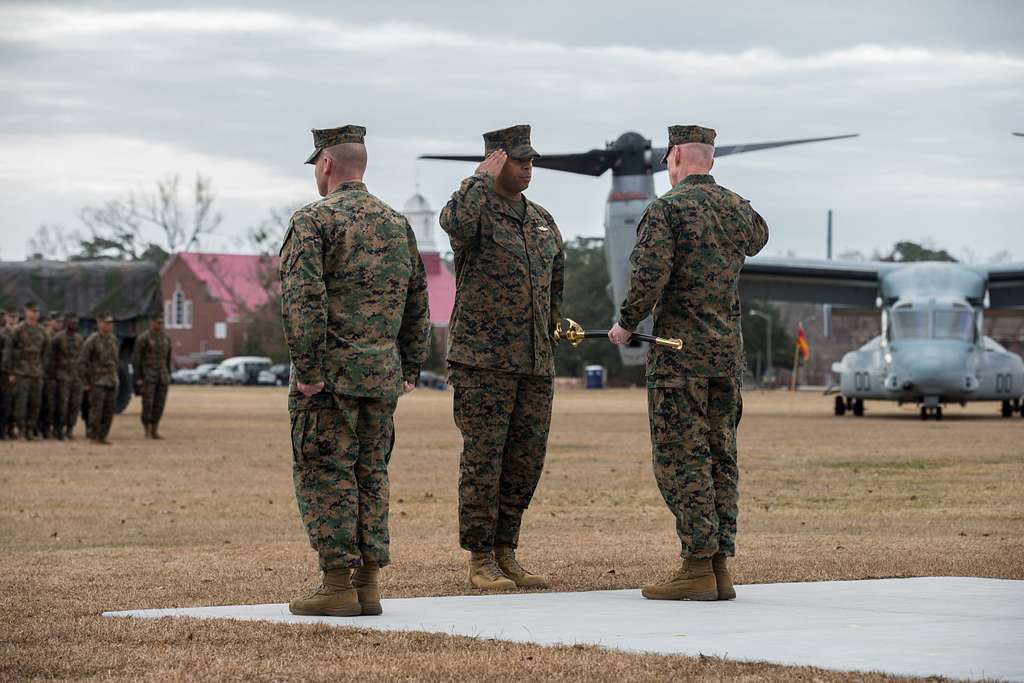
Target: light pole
{"x":767,"y":374}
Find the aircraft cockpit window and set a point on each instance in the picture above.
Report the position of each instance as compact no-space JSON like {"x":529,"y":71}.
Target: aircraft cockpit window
{"x":955,"y":324}
{"x":909,"y":324}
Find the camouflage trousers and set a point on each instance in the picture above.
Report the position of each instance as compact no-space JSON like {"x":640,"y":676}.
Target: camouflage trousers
{"x":46,"y":406}
{"x":340,"y":468}
{"x":6,"y":400}
{"x":67,"y":402}
{"x":693,"y":432}
{"x":154,"y":397}
{"x":504,"y":419}
{"x":27,"y":398}
{"x":102,"y":405}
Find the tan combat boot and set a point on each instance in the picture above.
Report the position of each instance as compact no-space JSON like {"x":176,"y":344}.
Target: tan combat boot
{"x":484,"y":573}
{"x":510,"y":567}
{"x":694,"y":581}
{"x":334,"y":598}
{"x":720,"y":566}
{"x":153,"y":433}
{"x":366,"y":581}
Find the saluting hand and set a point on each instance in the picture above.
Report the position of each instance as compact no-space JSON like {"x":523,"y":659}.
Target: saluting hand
{"x":493,"y":163}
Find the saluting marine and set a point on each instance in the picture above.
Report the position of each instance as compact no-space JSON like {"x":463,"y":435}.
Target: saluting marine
{"x":356,"y":318}
{"x":100,"y":357}
{"x":151,"y":362}
{"x":509,"y":266}
{"x":691,"y":244}
{"x":23,"y":365}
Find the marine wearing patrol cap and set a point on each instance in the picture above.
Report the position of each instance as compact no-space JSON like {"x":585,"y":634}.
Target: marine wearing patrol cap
{"x":681,"y":135}
{"x":515,"y":140}
{"x":329,"y":137}
{"x":105,"y":316}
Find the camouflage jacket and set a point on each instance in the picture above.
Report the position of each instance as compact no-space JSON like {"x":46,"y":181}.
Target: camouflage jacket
{"x":100,"y":358}
{"x":24,"y":351}
{"x":691,"y":244}
{"x":65,"y":356}
{"x":151,"y":357}
{"x":508,"y":275}
{"x":353,"y":297}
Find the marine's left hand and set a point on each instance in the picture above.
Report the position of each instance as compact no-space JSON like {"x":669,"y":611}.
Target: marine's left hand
{"x":619,"y":335}
{"x":310,"y":389}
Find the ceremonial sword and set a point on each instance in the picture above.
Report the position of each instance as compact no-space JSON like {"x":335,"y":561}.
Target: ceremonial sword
{"x":575,"y":334}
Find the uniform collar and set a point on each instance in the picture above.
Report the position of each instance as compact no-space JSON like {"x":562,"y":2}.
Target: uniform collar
{"x":507,"y":207}
{"x":698,"y":179}
{"x":348,"y":185}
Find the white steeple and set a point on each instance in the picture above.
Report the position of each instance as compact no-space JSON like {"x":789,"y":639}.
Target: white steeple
{"x":422,"y":219}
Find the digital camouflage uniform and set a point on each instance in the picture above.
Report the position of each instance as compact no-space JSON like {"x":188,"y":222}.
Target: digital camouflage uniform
{"x":509,"y":267}
{"x":151,"y":361}
{"x":691,"y":245}
{"x":100,"y":359}
{"x":66,"y":356}
{"x":6,"y":390}
{"x":23,"y":358}
{"x":356,"y":317}
{"x":47,"y":407}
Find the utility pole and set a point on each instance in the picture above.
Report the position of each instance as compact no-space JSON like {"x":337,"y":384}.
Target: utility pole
{"x":826,"y":310}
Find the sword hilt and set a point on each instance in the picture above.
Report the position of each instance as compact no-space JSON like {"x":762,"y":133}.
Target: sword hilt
{"x":575,"y":334}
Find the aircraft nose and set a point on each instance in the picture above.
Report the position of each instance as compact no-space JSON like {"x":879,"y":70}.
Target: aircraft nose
{"x":933,"y":370}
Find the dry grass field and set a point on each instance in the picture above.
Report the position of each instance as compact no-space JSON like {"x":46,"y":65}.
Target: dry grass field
{"x":207,"y":517}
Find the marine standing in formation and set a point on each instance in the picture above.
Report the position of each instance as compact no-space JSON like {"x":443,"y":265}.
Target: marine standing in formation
{"x":7,"y":321}
{"x":23,"y":365}
{"x":151,"y":361}
{"x":691,"y":245}
{"x":99,"y":372}
{"x":65,"y":357}
{"x":509,"y":266}
{"x":356,"y":318}
{"x":53,"y":325}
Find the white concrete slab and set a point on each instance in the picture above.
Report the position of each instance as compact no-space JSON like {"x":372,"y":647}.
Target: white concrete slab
{"x":957,"y":627}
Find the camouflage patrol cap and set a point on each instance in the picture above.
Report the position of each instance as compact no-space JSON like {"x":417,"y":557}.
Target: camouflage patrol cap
{"x":105,"y":316}
{"x":515,"y":140}
{"x":158,"y":318}
{"x":329,"y":137}
{"x":681,"y":135}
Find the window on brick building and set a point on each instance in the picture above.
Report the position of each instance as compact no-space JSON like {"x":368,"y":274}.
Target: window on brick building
{"x":178,"y":310}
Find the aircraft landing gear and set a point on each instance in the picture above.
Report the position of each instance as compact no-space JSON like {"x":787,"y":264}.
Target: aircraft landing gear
{"x":1007,"y":409}
{"x":935,"y":411}
{"x":858,"y":407}
{"x":840,"y":408}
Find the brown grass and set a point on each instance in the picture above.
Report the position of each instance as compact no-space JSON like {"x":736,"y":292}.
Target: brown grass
{"x":207,"y":517}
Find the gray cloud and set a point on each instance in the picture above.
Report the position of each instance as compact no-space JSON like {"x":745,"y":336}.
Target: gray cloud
{"x":100,"y":97}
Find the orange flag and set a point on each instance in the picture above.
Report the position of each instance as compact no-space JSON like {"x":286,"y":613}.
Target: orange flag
{"x":801,"y":344}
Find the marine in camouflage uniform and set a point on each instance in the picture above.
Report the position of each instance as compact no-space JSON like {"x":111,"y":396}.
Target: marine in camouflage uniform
{"x":100,"y":360}
{"x":356,"y":318}
{"x":65,"y":354}
{"x":151,"y":362}
{"x":7,"y":320}
{"x":509,"y":265}
{"x":52,"y":325}
{"x":23,"y":364}
{"x":691,"y":245}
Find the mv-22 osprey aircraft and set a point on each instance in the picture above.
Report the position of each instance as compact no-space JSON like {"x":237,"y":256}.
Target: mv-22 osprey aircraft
{"x":932,"y":349}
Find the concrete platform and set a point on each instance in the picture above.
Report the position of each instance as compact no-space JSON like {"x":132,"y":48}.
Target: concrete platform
{"x":957,"y":627}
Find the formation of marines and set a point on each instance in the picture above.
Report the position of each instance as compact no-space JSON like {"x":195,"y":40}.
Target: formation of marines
{"x":47,"y":368}
{"x":356,"y":319}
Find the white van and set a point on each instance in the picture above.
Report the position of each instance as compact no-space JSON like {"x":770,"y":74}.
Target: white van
{"x":239,"y":370}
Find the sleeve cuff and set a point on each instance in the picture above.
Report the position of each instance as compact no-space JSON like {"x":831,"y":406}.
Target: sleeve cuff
{"x":411,"y":374}
{"x":310,"y":377}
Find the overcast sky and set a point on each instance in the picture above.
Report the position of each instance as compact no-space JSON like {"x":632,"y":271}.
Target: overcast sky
{"x":99,"y":98}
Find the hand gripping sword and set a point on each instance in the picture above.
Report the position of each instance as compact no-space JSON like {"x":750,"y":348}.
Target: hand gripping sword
{"x":575,"y":334}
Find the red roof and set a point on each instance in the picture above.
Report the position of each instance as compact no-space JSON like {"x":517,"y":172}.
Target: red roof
{"x":239,"y":281}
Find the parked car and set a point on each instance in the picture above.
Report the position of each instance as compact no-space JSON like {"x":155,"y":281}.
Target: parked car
{"x":202,"y":372}
{"x":183,"y":376}
{"x":432,"y":380}
{"x":239,"y":370}
{"x":278,"y":375}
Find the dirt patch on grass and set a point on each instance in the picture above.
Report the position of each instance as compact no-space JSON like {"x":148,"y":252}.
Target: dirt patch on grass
{"x":208,"y":517}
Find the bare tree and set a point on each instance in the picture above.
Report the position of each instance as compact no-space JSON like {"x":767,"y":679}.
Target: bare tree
{"x":267,"y":236}
{"x":142,"y":225}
